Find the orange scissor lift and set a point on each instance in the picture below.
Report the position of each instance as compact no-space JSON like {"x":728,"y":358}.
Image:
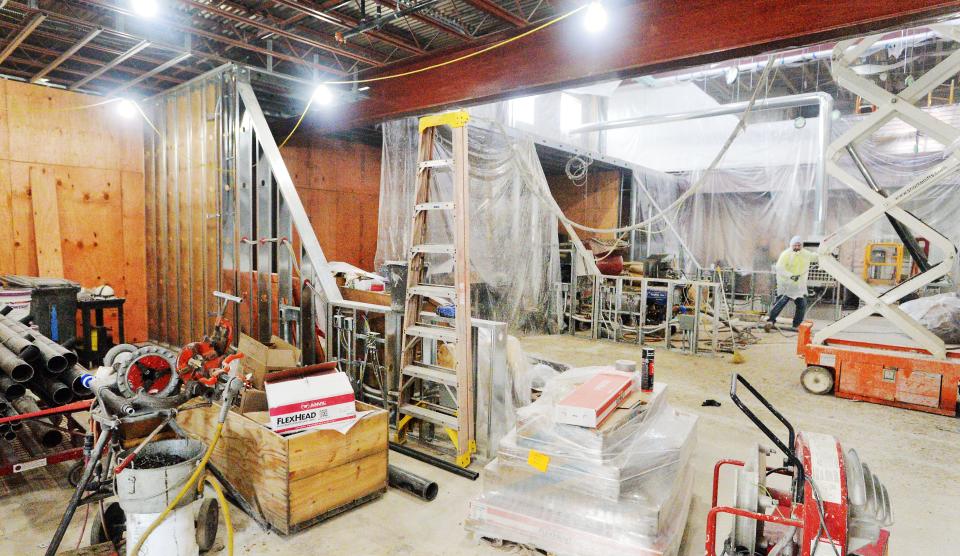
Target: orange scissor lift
{"x":924,"y":375}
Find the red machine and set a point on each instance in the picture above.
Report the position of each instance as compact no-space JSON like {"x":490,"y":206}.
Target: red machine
{"x":835,"y":505}
{"x":900,"y":376}
{"x":207,"y":359}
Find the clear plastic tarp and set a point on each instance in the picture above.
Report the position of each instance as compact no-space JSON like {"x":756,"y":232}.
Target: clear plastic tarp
{"x":624,"y":488}
{"x":514,"y":246}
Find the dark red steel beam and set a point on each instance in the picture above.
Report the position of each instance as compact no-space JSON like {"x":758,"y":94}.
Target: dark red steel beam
{"x":643,"y":37}
{"x":497,"y":11}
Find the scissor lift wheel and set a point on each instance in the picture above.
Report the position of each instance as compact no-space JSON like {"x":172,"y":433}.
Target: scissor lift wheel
{"x":817,"y":380}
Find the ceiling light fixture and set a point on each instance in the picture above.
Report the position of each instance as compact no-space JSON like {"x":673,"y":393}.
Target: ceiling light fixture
{"x":127,"y":108}
{"x":322,"y":95}
{"x":595,"y":19}
{"x":144,"y":8}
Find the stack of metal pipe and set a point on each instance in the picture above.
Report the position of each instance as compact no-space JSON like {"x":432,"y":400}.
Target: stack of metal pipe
{"x":32,"y":363}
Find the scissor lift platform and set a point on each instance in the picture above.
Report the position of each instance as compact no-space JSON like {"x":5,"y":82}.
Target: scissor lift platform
{"x":884,"y":372}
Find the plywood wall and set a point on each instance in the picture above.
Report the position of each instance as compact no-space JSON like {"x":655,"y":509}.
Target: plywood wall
{"x":339,"y":184}
{"x":595,"y":204}
{"x":71,"y":168}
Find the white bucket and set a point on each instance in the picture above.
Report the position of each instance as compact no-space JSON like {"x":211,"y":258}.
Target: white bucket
{"x":175,"y":536}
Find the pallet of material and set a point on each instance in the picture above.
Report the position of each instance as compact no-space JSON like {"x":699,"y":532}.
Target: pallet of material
{"x":288,"y":483}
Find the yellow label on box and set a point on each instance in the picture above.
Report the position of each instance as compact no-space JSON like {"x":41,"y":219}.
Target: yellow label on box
{"x":538,"y":461}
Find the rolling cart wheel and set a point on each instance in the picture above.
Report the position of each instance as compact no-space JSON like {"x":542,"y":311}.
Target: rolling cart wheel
{"x":75,"y":473}
{"x":817,"y":380}
{"x":116,"y":525}
{"x":208,"y":519}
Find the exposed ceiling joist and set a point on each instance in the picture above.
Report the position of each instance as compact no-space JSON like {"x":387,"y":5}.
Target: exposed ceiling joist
{"x":249,"y":20}
{"x":392,"y":4}
{"x":21,"y":36}
{"x":498,"y":11}
{"x":322,"y":14}
{"x":110,"y":65}
{"x":194,"y":30}
{"x":66,"y":55}
{"x":155,"y":71}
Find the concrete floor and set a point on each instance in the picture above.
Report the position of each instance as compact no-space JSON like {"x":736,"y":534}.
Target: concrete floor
{"x":915,"y":454}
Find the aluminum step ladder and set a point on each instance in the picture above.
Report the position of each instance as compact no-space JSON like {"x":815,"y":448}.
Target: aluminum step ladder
{"x":422,"y":380}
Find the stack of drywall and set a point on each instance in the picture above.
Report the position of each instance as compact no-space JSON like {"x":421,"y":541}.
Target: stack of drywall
{"x":623,"y":487}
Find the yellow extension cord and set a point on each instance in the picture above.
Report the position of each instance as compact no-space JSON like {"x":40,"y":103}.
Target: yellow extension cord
{"x":467,"y":56}
{"x":226,"y":511}
{"x":186,"y":488}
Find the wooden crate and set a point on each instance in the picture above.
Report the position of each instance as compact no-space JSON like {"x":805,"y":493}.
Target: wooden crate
{"x":288,"y":483}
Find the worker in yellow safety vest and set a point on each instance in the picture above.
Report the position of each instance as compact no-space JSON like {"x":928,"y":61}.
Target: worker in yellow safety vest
{"x":792,"y":268}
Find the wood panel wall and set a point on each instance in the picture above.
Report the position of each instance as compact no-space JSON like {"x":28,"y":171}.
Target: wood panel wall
{"x":339,"y":184}
{"x":596,"y":203}
{"x":71,"y":193}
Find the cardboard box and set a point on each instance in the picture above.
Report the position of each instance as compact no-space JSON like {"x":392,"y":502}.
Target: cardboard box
{"x":594,"y":400}
{"x":288,"y":483}
{"x":260,"y":359}
{"x":310,"y":402}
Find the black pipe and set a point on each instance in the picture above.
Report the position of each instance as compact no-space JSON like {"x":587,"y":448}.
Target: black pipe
{"x":7,"y":454}
{"x":17,"y":343}
{"x":10,"y":388}
{"x":51,"y":389}
{"x":436,"y":462}
{"x":13,"y":366}
{"x":30,"y":444}
{"x":43,"y":428}
{"x":11,"y":412}
{"x":74,"y":378}
{"x":412,"y":483}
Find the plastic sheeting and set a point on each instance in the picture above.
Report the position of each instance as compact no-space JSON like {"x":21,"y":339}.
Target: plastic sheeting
{"x":574,"y":490}
{"x":514,"y":247}
{"x":939,"y":314}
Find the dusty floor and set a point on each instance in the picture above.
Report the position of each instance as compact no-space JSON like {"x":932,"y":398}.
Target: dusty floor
{"x":916,"y":455}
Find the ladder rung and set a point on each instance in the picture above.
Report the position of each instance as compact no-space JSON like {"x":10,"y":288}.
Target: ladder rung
{"x":432,"y":373}
{"x":448,"y":335}
{"x":430,"y":415}
{"x":434,"y":206}
{"x":433,"y":248}
{"x":439,"y":163}
{"x":431,"y":290}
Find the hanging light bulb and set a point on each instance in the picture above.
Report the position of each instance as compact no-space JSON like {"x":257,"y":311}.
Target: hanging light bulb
{"x":322,"y":95}
{"x":731,"y":74}
{"x":127,"y":108}
{"x":595,"y":19}
{"x":144,"y":8}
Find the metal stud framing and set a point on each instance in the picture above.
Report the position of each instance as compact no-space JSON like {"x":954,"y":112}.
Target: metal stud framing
{"x":223,"y":214}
